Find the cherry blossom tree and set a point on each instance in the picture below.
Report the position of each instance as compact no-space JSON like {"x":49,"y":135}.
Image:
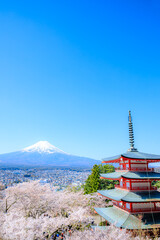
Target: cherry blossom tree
{"x":32,"y":211}
{"x":111,"y":233}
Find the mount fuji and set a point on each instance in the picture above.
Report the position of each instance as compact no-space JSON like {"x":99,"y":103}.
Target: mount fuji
{"x":44,"y":154}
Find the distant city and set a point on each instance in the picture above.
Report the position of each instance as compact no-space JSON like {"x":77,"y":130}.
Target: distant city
{"x":56,"y":177}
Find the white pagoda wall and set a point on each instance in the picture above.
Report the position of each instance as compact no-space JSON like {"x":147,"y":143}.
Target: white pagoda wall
{"x":144,"y":166}
{"x":140,"y":206}
{"x":141,"y":184}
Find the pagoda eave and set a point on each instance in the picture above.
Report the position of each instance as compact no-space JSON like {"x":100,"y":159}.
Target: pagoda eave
{"x":116,"y":179}
{"x":131,"y":175}
{"x":132,"y":155}
{"x":110,"y":178}
{"x":132,"y":197}
{"x":123,"y":219}
{"x":135,"y":159}
{"x":111,"y":161}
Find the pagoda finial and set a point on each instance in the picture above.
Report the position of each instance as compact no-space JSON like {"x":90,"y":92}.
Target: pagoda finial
{"x":131,"y":134}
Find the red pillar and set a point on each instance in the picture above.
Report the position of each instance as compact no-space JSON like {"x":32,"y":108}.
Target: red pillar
{"x":130,"y":184}
{"x":131,"y":207}
{"x":129,"y":162}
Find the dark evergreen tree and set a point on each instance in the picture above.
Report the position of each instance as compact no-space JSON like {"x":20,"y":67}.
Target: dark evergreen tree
{"x":93,"y":180}
{"x":94,"y":183}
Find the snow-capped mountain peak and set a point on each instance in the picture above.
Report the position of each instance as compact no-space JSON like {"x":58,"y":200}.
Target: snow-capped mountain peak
{"x":43,"y":147}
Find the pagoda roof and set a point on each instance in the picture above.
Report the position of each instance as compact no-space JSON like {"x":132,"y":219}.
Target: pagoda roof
{"x":123,"y":219}
{"x":133,"y":155}
{"x":100,"y":227}
{"x":127,"y":196}
{"x":131,"y":175}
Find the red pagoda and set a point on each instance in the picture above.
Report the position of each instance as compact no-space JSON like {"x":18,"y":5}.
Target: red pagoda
{"x":136,"y":203}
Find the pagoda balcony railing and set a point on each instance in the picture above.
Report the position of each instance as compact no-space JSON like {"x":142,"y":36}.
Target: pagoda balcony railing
{"x":143,"y":210}
{"x":140,"y":210}
{"x":136,"y":169}
{"x":145,"y":188}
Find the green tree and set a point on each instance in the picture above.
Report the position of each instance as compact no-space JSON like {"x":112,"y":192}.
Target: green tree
{"x":106,"y":168}
{"x":104,"y":183}
{"x":94,"y":183}
{"x":156,"y":184}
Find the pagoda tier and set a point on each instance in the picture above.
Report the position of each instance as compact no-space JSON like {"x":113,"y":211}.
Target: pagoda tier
{"x":131,"y":175}
{"x":135,"y":181}
{"x":134,"y":161}
{"x":134,"y":194}
{"x":134,"y":202}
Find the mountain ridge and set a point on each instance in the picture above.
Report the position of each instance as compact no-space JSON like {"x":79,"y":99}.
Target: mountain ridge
{"x":44,"y":154}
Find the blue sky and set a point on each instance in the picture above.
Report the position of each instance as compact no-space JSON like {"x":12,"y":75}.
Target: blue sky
{"x":71,"y":70}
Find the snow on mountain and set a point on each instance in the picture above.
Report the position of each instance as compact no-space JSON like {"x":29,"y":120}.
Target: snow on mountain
{"x":43,"y":147}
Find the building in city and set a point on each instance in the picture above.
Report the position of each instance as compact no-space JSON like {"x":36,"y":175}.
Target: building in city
{"x":136,"y":203}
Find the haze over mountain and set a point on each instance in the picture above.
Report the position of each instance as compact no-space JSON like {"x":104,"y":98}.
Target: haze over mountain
{"x":44,"y":154}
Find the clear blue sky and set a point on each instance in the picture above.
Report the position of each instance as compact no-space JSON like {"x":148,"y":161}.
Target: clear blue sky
{"x":71,"y":70}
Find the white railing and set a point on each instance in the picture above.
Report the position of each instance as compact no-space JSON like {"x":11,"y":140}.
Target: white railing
{"x":135,"y":169}
{"x":136,"y":188}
